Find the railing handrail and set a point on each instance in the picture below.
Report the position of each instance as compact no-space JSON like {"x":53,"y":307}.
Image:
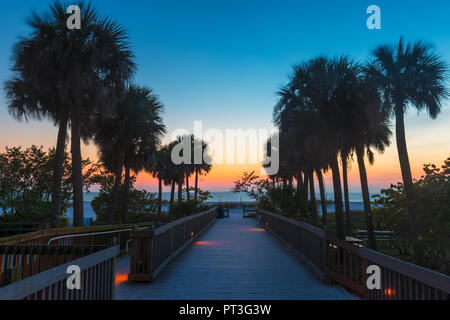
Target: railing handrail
{"x":153,"y":249}
{"x":308,"y":227}
{"x":339,"y":265}
{"x":177,"y":222}
{"x":424,"y":275}
{"x":77,"y":235}
{"x":28,"y":286}
{"x":36,"y":235}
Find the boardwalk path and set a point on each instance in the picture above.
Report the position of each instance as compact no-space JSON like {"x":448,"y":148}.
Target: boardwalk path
{"x":234,"y":259}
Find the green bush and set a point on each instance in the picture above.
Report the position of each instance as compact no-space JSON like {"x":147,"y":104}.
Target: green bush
{"x":432,"y":193}
{"x":186,"y":208}
{"x":26,"y":177}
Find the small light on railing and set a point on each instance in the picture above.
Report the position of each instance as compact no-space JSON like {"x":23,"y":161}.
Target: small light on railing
{"x":389,"y":292}
{"x":267,"y":223}
{"x":192,"y":234}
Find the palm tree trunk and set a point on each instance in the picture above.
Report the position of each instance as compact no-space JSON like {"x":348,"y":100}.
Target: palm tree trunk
{"x":180,"y":189}
{"x":408,"y":183}
{"x":299,"y":183}
{"x":188,"y":195}
{"x":344,"y":157}
{"x":126,"y":196}
{"x":313,"y":198}
{"x":323,"y":200}
{"x":304,"y":204}
{"x":159,"y":195}
{"x":116,"y":188}
{"x":299,"y":193}
{"x":77,"y":175}
{"x":340,"y":232}
{"x":366,"y":198}
{"x":58,"y":172}
{"x":172,"y":195}
{"x":196,"y":185}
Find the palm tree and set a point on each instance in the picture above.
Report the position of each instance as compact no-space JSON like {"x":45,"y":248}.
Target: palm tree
{"x":311,"y":94}
{"x":345,"y":156}
{"x":160,"y":170}
{"x":406,"y":75}
{"x":129,"y":139}
{"x":76,"y":73}
{"x":201,"y":169}
{"x":367,"y":128}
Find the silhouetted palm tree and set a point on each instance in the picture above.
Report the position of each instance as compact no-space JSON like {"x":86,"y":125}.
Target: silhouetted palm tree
{"x":204,"y":167}
{"x":367,"y":128}
{"x":76,"y":73}
{"x":406,"y":75}
{"x":160,"y":169}
{"x":130,"y":138}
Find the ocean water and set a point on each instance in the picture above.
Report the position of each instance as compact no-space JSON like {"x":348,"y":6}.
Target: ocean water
{"x":217,"y":197}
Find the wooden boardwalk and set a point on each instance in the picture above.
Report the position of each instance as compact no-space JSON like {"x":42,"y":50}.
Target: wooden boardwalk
{"x":234,"y":260}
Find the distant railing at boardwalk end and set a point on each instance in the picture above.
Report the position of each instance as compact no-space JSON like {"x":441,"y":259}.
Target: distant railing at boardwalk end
{"x":335,"y":260}
{"x":81,"y":236}
{"x":41,"y":272}
{"x":152,"y":250}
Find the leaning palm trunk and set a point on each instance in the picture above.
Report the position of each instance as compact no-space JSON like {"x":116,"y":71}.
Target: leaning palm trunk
{"x":313,"y":198}
{"x":408,"y":184}
{"x":58,"y":172}
{"x":159,"y":195}
{"x":126,"y":196}
{"x":366,"y":198}
{"x":188,"y":195}
{"x":77,"y":175}
{"x":196,"y":185}
{"x":116,"y":188}
{"x":323,"y":200}
{"x":340,"y":232}
{"x":346,"y":197}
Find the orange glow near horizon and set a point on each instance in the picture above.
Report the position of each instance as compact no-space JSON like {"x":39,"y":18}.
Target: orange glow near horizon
{"x":428,"y":142}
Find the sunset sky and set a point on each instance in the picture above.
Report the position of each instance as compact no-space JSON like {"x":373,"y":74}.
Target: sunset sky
{"x":222,"y":62}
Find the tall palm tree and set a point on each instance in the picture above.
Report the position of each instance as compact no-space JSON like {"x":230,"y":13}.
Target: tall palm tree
{"x":345,"y":157}
{"x":367,"y":129}
{"x":409,"y":74}
{"x":203,"y":168}
{"x":160,"y":169}
{"x":312,"y":93}
{"x":130,"y":139}
{"x":77,"y":72}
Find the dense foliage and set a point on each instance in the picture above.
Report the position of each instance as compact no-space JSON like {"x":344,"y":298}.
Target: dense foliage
{"x":433,"y":205}
{"x":143,"y":205}
{"x":26,"y":183}
{"x":280,"y":198}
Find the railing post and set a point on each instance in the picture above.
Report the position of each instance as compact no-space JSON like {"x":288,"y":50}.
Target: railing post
{"x":141,"y":262}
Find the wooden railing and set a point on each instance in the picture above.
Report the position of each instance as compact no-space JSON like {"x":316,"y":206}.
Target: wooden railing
{"x":152,"y":250}
{"x":23,"y":261}
{"x":335,"y":260}
{"x":87,"y":236}
{"x":97,"y":272}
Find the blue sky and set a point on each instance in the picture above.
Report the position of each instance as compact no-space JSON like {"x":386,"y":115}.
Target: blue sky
{"x":223,"y":61}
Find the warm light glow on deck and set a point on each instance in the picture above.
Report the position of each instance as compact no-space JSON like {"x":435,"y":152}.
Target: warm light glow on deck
{"x":205,"y":243}
{"x":255,"y":229}
{"x":121,"y":278}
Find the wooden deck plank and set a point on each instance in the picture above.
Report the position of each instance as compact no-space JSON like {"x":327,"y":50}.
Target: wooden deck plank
{"x":234,"y":260}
